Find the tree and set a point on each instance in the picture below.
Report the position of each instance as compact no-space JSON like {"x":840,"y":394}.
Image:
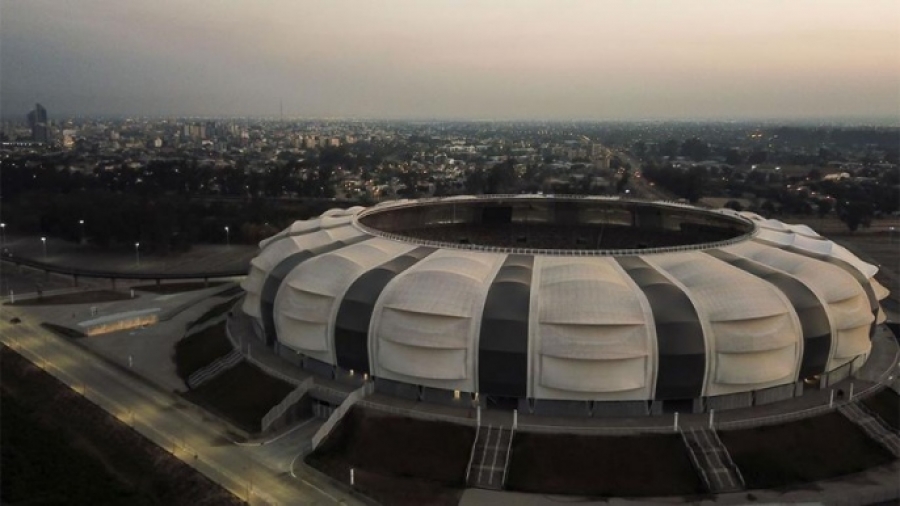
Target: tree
{"x":695,"y":149}
{"x":824,"y":207}
{"x":734,"y":157}
{"x":735,"y":205}
{"x":758,"y":156}
{"x":854,"y":214}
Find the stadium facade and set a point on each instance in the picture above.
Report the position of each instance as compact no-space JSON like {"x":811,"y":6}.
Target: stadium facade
{"x":565,"y":305}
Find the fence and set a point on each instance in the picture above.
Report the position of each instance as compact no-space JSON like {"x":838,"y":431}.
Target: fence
{"x":596,"y":429}
{"x":339,"y":413}
{"x":276,"y":412}
{"x":420,"y":415}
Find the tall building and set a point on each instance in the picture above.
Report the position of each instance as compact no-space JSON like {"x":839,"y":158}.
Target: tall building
{"x":37,"y":120}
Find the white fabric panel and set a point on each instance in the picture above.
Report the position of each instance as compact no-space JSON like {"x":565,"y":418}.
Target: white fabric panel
{"x":852,"y":312}
{"x":435,"y":308}
{"x":424,"y":330}
{"x":881,"y":292}
{"x":334,"y":211}
{"x":818,"y":246}
{"x":335,"y":221}
{"x":251,"y":305}
{"x":750,"y":369}
{"x":775,"y":237}
{"x":593,"y":342}
{"x":754,"y":335}
{"x":302,"y":305}
{"x":830,"y":282}
{"x":868,"y":270}
{"x":441,"y":293}
{"x":302,"y":226}
{"x":881,"y":318}
{"x":593,"y":377}
{"x":852,"y":342}
{"x":591,"y":332}
{"x":254,"y":280}
{"x":798,"y":236}
{"x":416,"y":363}
{"x":303,"y":335}
{"x":842,"y":296}
{"x":803,"y":229}
{"x":744,"y":314}
{"x":313,"y":290}
{"x":773,"y":224}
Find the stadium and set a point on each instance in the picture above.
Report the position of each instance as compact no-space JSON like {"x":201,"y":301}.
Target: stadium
{"x":564,"y":305}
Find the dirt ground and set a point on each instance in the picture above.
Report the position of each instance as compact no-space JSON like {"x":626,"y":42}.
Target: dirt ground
{"x":799,"y":452}
{"x":885,"y":404}
{"x":58,"y":448}
{"x":242,"y":395}
{"x":398,"y":460}
{"x":201,"y":349}
{"x":602,"y":466}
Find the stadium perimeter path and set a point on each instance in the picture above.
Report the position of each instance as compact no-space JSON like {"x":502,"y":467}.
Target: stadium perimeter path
{"x":198,"y":440}
{"x":200,"y":258}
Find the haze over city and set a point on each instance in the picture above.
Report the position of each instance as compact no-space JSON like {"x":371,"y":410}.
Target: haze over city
{"x":573,"y":60}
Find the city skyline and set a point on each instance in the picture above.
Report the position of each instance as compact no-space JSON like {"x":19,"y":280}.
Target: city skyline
{"x":454,"y":60}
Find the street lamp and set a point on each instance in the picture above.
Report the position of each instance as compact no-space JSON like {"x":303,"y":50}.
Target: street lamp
{"x":137,"y":253}
{"x":2,"y":233}
{"x":227,"y":236}
{"x":44,"y":240}
{"x":81,"y":222}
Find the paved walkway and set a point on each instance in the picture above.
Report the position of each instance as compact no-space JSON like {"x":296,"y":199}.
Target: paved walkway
{"x":164,"y":418}
{"x":200,"y":258}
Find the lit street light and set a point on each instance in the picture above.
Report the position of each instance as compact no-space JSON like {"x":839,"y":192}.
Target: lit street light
{"x":137,"y":253}
{"x":44,"y":240}
{"x":81,"y":222}
{"x":227,"y":236}
{"x":2,"y":233}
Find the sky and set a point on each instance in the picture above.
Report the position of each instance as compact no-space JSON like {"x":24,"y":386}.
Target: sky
{"x":453,"y":59}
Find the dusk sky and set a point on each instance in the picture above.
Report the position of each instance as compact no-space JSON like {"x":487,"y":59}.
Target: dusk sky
{"x":562,"y":59}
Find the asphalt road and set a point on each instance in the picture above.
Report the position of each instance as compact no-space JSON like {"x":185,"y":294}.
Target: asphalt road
{"x":169,"y":421}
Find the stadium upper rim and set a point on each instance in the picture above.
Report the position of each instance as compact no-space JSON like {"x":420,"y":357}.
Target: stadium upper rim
{"x":721,"y":214}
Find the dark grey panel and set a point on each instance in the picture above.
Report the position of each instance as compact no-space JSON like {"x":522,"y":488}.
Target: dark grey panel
{"x":351,"y":327}
{"x":812,"y":315}
{"x":853,"y":271}
{"x":679,"y":334}
{"x":503,"y":338}
{"x":280,"y":271}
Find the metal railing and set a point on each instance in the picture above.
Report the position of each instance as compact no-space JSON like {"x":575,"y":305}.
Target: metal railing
{"x":730,"y":462}
{"x":213,"y":369}
{"x":543,"y":251}
{"x":421,"y":415}
{"x":512,"y":434}
{"x":595,"y":429}
{"x":472,"y":453}
{"x":289,"y":400}
{"x":695,"y":460}
{"x":338,"y":414}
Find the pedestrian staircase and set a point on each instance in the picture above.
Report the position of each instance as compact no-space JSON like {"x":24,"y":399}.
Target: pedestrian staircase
{"x":215,"y":368}
{"x":872,"y":425}
{"x":490,"y":457}
{"x":719,"y":472}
